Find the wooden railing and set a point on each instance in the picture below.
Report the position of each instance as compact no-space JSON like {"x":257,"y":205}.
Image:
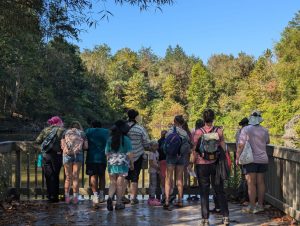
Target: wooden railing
{"x":19,"y":175}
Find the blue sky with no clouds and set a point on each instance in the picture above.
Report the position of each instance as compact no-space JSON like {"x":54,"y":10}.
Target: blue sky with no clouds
{"x":201,"y":27}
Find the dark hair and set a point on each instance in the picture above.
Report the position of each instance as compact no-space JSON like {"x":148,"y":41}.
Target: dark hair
{"x":179,"y":119}
{"x":117,"y":134}
{"x":244,"y":122}
{"x":185,"y":126}
{"x":208,"y":116}
{"x":132,"y":115}
{"x":96,"y":124}
{"x":199,"y":124}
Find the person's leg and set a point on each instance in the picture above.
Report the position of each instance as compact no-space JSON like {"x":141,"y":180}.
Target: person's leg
{"x":134,"y":180}
{"x":179,"y":179}
{"x":111,"y":191}
{"x":102,"y":182}
{"x":203,"y":175}
{"x":260,"y":188}
{"x":68,"y":173}
{"x":48,"y":172}
{"x":76,"y":171}
{"x":169,"y":182}
{"x":57,"y":164}
{"x":220,"y":194}
{"x":152,"y":185}
{"x":94,"y":183}
{"x":163,"y":168}
{"x":120,"y":190}
{"x":251,"y":182}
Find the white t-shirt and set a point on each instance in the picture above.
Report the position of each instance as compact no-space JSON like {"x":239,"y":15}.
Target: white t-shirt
{"x":154,"y":157}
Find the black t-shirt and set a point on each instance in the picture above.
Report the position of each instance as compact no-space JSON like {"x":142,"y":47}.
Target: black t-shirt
{"x":162,"y":155}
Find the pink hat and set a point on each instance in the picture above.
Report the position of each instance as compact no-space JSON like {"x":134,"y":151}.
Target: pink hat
{"x":55,"y":121}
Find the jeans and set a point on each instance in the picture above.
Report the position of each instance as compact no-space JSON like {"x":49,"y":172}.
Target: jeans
{"x":52,"y":163}
{"x":206,"y":177}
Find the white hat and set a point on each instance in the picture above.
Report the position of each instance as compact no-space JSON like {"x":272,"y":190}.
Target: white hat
{"x":255,"y":118}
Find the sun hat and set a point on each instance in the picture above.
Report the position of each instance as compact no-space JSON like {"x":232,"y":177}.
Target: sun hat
{"x":255,"y":118}
{"x":55,"y":121}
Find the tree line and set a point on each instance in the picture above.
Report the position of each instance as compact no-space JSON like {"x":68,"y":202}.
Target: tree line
{"x":41,"y":77}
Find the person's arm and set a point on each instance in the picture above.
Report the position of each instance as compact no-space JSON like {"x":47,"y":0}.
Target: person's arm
{"x":222,"y":140}
{"x":145,"y":138}
{"x":40,"y":137}
{"x":242,"y":141}
{"x":268,"y":137}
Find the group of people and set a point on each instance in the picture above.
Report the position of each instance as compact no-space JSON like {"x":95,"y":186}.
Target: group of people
{"x":122,"y":150}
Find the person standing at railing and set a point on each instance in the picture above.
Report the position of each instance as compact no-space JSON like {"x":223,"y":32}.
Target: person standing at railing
{"x":96,"y":160}
{"x":242,"y":189}
{"x":162,"y":164}
{"x":50,"y":139}
{"x":118,"y":151}
{"x":206,"y":154}
{"x":258,"y":138}
{"x":139,"y":140}
{"x":73,"y":143}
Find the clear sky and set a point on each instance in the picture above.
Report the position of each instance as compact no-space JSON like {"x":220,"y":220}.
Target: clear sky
{"x":201,"y":27}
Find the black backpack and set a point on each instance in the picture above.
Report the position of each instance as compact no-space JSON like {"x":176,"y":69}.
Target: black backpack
{"x":49,"y":141}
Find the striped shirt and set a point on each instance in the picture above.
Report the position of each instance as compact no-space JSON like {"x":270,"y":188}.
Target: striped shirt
{"x":139,"y":140}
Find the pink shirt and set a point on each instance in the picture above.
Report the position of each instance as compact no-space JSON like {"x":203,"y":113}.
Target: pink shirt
{"x":196,"y":136}
{"x":258,"y":138}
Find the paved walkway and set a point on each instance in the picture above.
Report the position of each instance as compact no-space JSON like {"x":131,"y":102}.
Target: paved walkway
{"x":42,"y":213}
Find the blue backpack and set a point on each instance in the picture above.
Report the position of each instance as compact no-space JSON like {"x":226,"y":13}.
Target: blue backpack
{"x":172,"y":144}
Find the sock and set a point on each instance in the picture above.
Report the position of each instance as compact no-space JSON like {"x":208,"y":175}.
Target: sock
{"x":67,"y":195}
{"x":75,"y":194}
{"x":95,"y":194}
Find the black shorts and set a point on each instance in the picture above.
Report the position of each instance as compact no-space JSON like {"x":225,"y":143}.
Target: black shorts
{"x":255,"y":168}
{"x":95,"y":169}
{"x":133,"y":175}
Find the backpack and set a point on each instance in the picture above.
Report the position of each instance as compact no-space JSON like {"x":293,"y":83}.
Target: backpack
{"x":172,"y":144}
{"x":208,"y":146}
{"x":73,"y":142}
{"x":49,"y":141}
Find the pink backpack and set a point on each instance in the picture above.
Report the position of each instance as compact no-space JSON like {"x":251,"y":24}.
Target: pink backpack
{"x":73,"y":142}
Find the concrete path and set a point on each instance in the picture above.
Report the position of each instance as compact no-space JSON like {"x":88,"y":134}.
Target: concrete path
{"x":42,"y":213}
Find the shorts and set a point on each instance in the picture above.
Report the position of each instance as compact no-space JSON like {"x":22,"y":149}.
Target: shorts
{"x":133,"y":175}
{"x":163,"y":168}
{"x":255,"y":168}
{"x":95,"y":169}
{"x":78,"y":158}
{"x":181,"y":161}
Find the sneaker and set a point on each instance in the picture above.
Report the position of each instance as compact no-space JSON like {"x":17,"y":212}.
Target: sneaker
{"x":153,"y":202}
{"x":204,"y":222}
{"x":125,"y":200}
{"x":75,"y":200}
{"x":110,"y":204}
{"x":120,"y":206}
{"x":95,"y":201}
{"x":67,"y":200}
{"x":101,"y":198}
{"x":134,"y":201}
{"x":247,"y":209}
{"x":258,"y":209}
{"x":225,"y":221}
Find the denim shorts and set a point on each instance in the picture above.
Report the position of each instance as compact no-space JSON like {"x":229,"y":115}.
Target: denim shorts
{"x":178,"y":161}
{"x":73,"y":158}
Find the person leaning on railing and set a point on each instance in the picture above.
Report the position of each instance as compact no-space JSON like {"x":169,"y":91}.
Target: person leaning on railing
{"x":52,"y":159}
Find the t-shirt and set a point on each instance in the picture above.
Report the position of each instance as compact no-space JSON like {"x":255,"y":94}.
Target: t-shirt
{"x":154,"y":157}
{"x":162,"y":155}
{"x":258,"y":138}
{"x":139,"y":140}
{"x":97,"y":138}
{"x":197,"y":135}
{"x":118,"y":162}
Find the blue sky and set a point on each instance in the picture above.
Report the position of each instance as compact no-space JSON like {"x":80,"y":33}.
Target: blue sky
{"x":201,"y":27}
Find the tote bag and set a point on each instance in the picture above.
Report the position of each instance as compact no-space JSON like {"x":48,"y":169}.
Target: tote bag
{"x":246,"y":156}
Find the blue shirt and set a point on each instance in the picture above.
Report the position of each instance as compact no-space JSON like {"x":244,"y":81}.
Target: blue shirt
{"x":97,"y":138}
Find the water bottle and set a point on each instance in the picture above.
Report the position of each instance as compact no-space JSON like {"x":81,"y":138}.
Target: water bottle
{"x":39,"y":160}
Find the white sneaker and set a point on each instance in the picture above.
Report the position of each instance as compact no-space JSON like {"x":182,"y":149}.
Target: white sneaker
{"x":101,"y":198}
{"x":95,"y":201}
